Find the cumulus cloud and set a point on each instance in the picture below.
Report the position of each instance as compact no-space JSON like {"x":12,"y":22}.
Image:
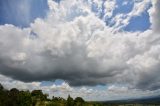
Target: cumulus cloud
{"x":109,"y":6}
{"x":121,"y":20}
{"x":154,"y":13}
{"x":73,"y":44}
{"x":113,"y":92}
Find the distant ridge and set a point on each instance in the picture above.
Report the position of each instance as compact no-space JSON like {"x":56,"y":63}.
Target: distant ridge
{"x":145,"y":100}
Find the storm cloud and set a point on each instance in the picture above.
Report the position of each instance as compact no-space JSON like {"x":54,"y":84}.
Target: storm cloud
{"x":72,"y":43}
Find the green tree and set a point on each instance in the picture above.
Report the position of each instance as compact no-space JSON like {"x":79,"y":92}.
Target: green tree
{"x":1,"y":87}
{"x":24,"y":98}
{"x":38,"y":94}
{"x":3,"y":96}
{"x":13,"y":97}
{"x":70,"y":101}
{"x":79,"y":99}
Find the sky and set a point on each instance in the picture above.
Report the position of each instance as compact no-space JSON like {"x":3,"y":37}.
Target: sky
{"x":95,"y":49}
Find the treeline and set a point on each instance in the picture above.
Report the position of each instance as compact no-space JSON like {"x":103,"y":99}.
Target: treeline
{"x":15,"y":97}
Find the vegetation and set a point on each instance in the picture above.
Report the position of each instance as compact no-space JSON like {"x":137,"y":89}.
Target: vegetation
{"x":15,"y":97}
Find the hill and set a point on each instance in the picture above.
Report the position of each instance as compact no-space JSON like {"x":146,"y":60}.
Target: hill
{"x":147,"y":101}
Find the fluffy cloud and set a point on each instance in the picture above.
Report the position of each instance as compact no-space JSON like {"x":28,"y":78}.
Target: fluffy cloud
{"x":73,"y":44}
{"x":154,"y":13}
{"x":113,"y":92}
{"x":121,"y":20}
{"x":109,"y":6}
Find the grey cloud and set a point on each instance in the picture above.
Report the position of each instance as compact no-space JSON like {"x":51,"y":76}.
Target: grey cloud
{"x":82,"y":52}
{"x":155,"y":15}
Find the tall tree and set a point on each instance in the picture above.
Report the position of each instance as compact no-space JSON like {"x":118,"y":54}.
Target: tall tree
{"x":70,"y":101}
{"x":24,"y":98}
{"x":13,"y":97}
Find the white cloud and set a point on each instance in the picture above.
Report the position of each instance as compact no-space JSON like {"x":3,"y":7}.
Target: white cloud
{"x":109,"y":6}
{"x":82,"y":50}
{"x":88,"y":93}
{"x":140,"y":6}
{"x":117,"y":89}
{"x":155,"y":14}
{"x":64,"y":87}
{"x":125,"y":3}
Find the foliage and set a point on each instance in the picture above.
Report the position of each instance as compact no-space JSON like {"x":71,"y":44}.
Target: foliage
{"x":70,"y":101}
{"x":24,"y":98}
{"x":14,"y":97}
{"x":79,"y":99}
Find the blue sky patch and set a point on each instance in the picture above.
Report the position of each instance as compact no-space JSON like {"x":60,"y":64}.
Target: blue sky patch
{"x":49,"y":83}
{"x":139,"y":23}
{"x":22,"y":12}
{"x":124,"y":6}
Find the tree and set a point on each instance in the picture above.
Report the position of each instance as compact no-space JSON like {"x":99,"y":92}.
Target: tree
{"x":79,"y":99}
{"x":36,"y":96}
{"x":36,"y":93}
{"x":3,"y":96}
{"x":70,"y":101}
{"x":1,"y":87}
{"x":24,"y":98}
{"x":13,"y":97}
{"x":39,"y":94}
{"x":45,"y":96}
